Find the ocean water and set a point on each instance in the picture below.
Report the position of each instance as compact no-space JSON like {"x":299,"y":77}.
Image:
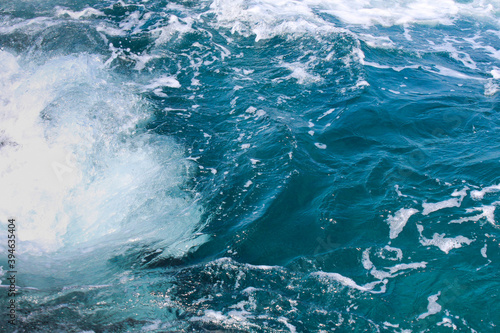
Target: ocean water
{"x":251,"y":166}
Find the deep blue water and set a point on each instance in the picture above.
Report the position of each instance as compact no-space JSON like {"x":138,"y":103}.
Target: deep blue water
{"x":251,"y":166}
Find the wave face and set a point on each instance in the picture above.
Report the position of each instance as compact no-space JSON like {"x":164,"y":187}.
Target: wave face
{"x":251,"y":166}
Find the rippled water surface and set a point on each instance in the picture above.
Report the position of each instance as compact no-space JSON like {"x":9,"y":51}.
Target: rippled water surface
{"x":251,"y":166}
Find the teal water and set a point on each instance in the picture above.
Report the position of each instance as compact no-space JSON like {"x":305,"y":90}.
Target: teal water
{"x":251,"y":166}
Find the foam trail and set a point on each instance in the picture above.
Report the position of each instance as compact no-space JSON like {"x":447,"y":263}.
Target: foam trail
{"x":488,"y":212}
{"x":389,"y":272}
{"x":453,"y":202}
{"x":87,"y":12}
{"x":432,"y":308}
{"x":479,"y":194}
{"x":348,"y":282}
{"x":302,"y":14}
{"x":398,"y":253}
{"x":389,"y":13}
{"x":398,"y":221}
{"x":444,"y":244}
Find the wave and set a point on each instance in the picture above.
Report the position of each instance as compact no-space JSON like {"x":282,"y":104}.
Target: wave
{"x":80,"y":171}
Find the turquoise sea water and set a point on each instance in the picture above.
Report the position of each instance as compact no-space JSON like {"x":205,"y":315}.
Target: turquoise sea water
{"x":251,"y":166}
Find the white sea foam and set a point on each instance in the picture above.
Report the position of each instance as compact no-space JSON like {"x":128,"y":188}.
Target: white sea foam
{"x":175,"y":26}
{"x":377,"y":41}
{"x":398,"y":221}
{"x":495,"y":72}
{"x":397,"y":251}
{"x":232,"y":318}
{"x":290,"y":327}
{"x":387,"y":272}
{"x":394,"y":68}
{"x":446,"y":322}
{"x":348,"y":282}
{"x":483,"y":251}
{"x":444,"y":244}
{"x":433,"y":307}
{"x":266,"y":19}
{"x":401,"y":267}
{"x":490,"y":88}
{"x":87,"y":12}
{"x":75,"y":170}
{"x":365,"y":261}
{"x":29,"y":26}
{"x":210,"y":316}
{"x":154,"y":326}
{"x":488,"y":213}
{"x":326,"y":113}
{"x":432,"y":207}
{"x":398,"y":191}
{"x":386,"y":323}
{"x":163,"y":81}
{"x":388,"y":13}
{"x":453,"y":202}
{"x":448,"y":46}
{"x":444,"y":71}
{"x":225,"y":261}
{"x":479,"y":194}
{"x":299,"y":72}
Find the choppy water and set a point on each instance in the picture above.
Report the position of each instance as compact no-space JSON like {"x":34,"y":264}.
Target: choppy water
{"x":251,"y":166}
